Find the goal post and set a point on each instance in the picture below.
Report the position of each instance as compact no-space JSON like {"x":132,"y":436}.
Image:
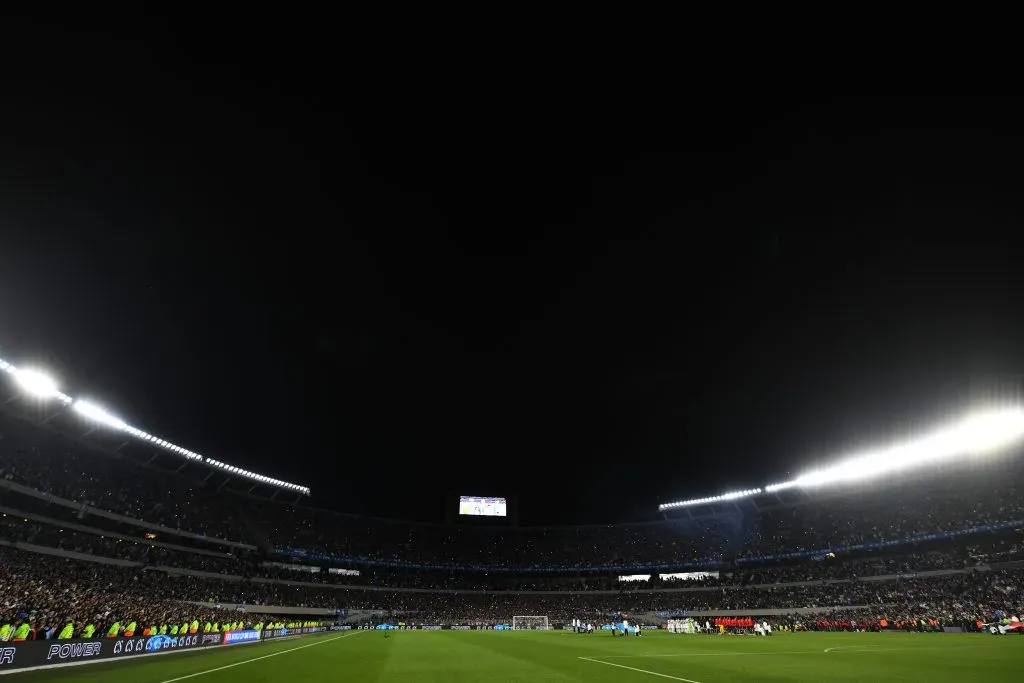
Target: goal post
{"x":529,"y":623}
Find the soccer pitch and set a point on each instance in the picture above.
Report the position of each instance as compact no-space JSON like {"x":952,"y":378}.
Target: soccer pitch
{"x":539,"y":656}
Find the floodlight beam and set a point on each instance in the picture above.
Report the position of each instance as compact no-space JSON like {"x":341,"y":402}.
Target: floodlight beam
{"x":978,"y":434}
{"x":36,"y":383}
{"x":42,"y":385}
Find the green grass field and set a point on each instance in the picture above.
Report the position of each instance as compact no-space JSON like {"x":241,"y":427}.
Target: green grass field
{"x":537,"y":657}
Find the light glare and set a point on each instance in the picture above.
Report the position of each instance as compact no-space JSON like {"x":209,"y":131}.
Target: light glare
{"x":42,"y":385}
{"x":978,"y":434}
{"x":732,"y":495}
{"x":94,"y":412}
{"x":36,"y":383}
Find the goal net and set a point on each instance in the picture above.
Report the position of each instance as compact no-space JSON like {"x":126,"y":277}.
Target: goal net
{"x":529,"y":623}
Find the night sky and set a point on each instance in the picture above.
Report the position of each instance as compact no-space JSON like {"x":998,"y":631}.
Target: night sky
{"x":394,"y":289}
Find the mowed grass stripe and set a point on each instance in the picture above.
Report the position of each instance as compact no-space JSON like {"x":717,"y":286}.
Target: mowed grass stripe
{"x":464,"y":657}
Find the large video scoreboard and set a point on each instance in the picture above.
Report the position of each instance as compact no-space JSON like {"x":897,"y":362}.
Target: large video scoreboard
{"x":481,"y":510}
{"x":480,"y":506}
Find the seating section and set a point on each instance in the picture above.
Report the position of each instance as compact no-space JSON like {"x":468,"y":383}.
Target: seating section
{"x":89,"y":538}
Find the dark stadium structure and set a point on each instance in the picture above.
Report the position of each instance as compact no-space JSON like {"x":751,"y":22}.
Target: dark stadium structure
{"x":158,"y":541}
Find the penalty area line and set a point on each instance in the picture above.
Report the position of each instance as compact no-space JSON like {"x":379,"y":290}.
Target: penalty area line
{"x":632,"y":668}
{"x":256,"y":659}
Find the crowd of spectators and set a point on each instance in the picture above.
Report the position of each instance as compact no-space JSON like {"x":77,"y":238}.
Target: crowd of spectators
{"x":89,"y":586}
{"x":41,"y":588}
{"x":955,"y":599}
{"x":247,"y":565}
{"x":137,"y":550}
{"x":414,"y":569}
{"x":48,"y":592}
{"x":56,"y":465}
{"x":53,"y":464}
{"x":943,"y":505}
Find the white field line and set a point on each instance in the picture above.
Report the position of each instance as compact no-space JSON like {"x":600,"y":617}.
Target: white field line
{"x":850,"y":647}
{"x":713,"y":654}
{"x":865,"y":648}
{"x":631,"y":668}
{"x":844,"y":648}
{"x":256,"y":659}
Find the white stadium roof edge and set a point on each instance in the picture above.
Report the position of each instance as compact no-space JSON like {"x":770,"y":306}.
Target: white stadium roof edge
{"x":41,"y":385}
{"x":978,"y":433}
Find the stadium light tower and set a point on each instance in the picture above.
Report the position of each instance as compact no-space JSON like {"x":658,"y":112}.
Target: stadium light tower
{"x":977,"y":434}
{"x":39,"y":384}
{"x":36,"y":383}
{"x":94,"y":412}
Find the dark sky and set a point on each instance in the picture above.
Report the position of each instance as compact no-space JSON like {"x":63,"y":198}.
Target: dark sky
{"x":392,"y":288}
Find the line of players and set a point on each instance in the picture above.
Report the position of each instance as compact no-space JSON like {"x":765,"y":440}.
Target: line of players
{"x":720,"y":626}
{"x":624,"y":628}
{"x":579,"y":627}
{"x":620,"y":627}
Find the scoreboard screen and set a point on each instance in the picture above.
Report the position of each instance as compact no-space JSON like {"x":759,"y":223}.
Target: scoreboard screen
{"x":478,"y":506}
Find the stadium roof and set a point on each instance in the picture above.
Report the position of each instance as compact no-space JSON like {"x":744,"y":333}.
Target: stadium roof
{"x":39,"y":384}
{"x":979,"y":433}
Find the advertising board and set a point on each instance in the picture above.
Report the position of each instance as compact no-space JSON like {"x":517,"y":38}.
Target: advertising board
{"x":242,"y":636}
{"x":41,"y":653}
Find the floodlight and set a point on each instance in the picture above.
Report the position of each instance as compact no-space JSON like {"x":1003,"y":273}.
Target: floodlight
{"x":36,"y":383}
{"x":732,"y":495}
{"x":978,"y":434}
{"x":98,"y":414}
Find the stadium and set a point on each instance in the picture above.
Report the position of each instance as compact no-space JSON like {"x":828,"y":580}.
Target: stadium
{"x":904,"y":561}
{"x":321,"y":361}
